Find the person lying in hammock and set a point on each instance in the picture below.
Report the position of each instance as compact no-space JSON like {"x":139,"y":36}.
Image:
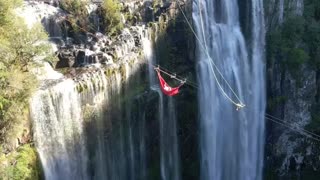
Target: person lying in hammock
{"x":165,"y":88}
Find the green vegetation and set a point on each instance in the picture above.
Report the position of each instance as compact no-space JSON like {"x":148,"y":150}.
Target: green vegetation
{"x":286,"y":44}
{"x":312,"y":30}
{"x":74,"y":7}
{"x":123,"y":72}
{"x":110,"y":71}
{"x":78,"y":14}
{"x":20,"y":164}
{"x":315,"y":115}
{"x":90,"y":113}
{"x":274,"y":102}
{"x":112,"y":16}
{"x":155,"y":4}
{"x":21,"y":49}
{"x":18,"y":49}
{"x":20,"y":46}
{"x":297,"y":40}
{"x":132,"y":19}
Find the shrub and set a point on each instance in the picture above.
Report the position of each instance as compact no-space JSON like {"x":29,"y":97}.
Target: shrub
{"x":111,"y":16}
{"x":20,"y":164}
{"x":78,"y":14}
{"x":19,"y":47}
{"x":296,"y":57}
{"x":286,"y":44}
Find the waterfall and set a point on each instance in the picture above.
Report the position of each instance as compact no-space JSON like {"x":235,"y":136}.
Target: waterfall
{"x":294,"y":7}
{"x":281,"y":11}
{"x":231,"y":141}
{"x":106,"y":135}
{"x":52,"y":26}
{"x":58,"y":123}
{"x":149,"y":56}
{"x":83,"y":129}
{"x":169,"y":155}
{"x":49,"y":16}
{"x":58,"y":132}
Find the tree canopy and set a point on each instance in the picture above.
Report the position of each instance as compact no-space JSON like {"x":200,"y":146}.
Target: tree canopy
{"x":19,"y":47}
{"x":112,"y":16}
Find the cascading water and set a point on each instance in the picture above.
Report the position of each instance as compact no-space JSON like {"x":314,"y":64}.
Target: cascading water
{"x":94,"y":126}
{"x":58,"y":132}
{"x":281,"y":11}
{"x":80,"y":130}
{"x":169,"y":155}
{"x":117,"y":144}
{"x":231,"y":141}
{"x":59,"y":124}
{"x":87,"y":128}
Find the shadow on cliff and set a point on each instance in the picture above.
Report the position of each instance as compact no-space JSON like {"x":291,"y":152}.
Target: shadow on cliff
{"x":174,"y":47}
{"x":123,"y":138}
{"x":130,"y":137}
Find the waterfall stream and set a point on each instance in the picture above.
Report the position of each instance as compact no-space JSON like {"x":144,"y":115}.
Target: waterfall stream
{"x":80,"y":130}
{"x":107,"y":123}
{"x":95,"y":126}
{"x":169,"y":155}
{"x":58,"y":131}
{"x":231,"y":141}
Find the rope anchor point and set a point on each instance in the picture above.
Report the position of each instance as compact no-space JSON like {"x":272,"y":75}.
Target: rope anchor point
{"x":239,"y":106}
{"x":183,"y":81}
{"x":173,"y":75}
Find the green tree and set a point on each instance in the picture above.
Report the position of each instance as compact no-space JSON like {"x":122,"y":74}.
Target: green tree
{"x":286,"y":44}
{"x":112,"y":16}
{"x":20,"y":47}
{"x":78,"y":14}
{"x":6,"y":10}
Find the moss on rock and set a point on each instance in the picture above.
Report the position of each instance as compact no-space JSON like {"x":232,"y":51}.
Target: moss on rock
{"x":21,"y":164}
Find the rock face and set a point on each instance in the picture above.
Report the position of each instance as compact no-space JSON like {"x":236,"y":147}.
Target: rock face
{"x":96,"y":66}
{"x":289,"y":153}
{"x":174,"y":48}
{"x":277,"y":11}
{"x":50,"y":17}
{"x":101,"y":49}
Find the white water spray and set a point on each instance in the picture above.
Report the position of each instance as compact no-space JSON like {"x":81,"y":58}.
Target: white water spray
{"x":169,"y":155}
{"x":231,"y":140}
{"x":58,"y":132}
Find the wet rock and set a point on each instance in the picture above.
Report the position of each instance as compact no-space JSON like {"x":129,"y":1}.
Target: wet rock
{"x":95,"y":47}
{"x":51,"y":17}
{"x":66,"y":59}
{"x":65,"y":62}
{"x":81,"y":58}
{"x":106,"y":59}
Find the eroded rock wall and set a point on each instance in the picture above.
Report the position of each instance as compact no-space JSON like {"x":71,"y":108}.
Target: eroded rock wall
{"x":292,"y":94}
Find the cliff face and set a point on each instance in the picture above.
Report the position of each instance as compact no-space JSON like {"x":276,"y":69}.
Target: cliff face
{"x":117,"y":56}
{"x":292,"y":90}
{"x":293,"y":86}
{"x":94,"y":65}
{"x":174,"y":48}
{"x":277,"y":11}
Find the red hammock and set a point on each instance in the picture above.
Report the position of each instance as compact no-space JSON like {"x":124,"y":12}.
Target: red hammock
{"x":166,"y":89}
